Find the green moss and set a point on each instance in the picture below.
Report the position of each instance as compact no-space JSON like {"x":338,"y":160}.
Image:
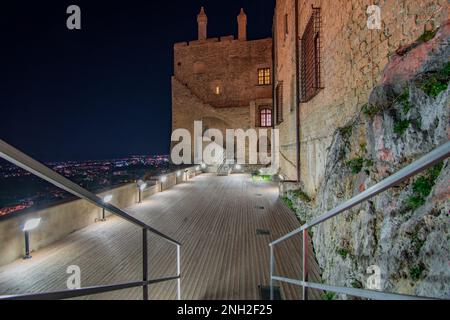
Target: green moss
{"x":437,"y":82}
{"x":329,"y":296}
{"x":344,"y":253}
{"x":416,"y":272}
{"x":259,"y":177}
{"x":433,"y":86}
{"x":415,"y":202}
{"x":401,"y":126}
{"x":403,"y":99}
{"x":357,"y":164}
{"x":346,"y":132}
{"x":370,"y":110}
{"x":289,"y":203}
{"x":301,"y":195}
{"x":427,"y":35}
{"x":423,"y":186}
{"x":445,"y":72}
{"x":357,"y":284}
{"x":434,"y":172}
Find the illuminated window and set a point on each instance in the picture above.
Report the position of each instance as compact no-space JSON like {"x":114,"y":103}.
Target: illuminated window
{"x":217,"y":90}
{"x":266,"y":117}
{"x":264,"y":76}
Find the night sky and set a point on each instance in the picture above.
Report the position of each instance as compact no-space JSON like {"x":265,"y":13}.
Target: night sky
{"x":102,"y":92}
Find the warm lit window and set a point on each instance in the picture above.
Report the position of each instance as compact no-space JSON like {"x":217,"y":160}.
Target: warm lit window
{"x":266,"y":117}
{"x":264,"y":76}
{"x":217,"y":90}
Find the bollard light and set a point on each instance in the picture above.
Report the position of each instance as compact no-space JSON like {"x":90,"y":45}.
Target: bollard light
{"x":163,"y":179}
{"x":29,"y":226}
{"x":106,"y":199}
{"x":142,"y":187}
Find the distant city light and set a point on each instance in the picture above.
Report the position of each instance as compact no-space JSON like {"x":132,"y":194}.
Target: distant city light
{"x":31,"y":224}
{"x":108,"y":198}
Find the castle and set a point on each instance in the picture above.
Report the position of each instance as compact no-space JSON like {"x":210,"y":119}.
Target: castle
{"x":311,"y":79}
{"x":224,"y":82}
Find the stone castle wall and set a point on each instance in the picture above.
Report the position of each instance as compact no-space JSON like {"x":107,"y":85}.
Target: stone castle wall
{"x":216,"y":81}
{"x":353,"y":58}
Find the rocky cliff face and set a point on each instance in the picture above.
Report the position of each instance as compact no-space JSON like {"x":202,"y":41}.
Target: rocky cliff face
{"x":404,"y":231}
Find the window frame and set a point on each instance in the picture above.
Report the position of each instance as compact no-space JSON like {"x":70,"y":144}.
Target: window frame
{"x":265,"y":117}
{"x":264,"y":79}
{"x":311,"y":58}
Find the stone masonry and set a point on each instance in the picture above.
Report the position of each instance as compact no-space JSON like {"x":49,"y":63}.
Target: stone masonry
{"x":216,"y":80}
{"x":353,"y":58}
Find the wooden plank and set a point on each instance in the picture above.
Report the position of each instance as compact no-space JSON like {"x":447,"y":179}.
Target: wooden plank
{"x":215,"y":218}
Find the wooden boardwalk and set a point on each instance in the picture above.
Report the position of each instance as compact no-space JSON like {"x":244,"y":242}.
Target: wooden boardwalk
{"x":215,"y":218}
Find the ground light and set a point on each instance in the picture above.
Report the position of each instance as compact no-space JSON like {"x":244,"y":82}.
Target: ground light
{"x":29,"y":226}
{"x":106,"y":199}
{"x":142,"y":187}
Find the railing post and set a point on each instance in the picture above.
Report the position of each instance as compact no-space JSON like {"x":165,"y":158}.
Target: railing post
{"x":305,"y":263}
{"x":178,"y":272}
{"x":272,"y":269}
{"x":144,"y":263}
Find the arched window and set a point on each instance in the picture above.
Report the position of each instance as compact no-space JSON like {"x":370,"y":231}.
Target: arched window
{"x":266,"y":117}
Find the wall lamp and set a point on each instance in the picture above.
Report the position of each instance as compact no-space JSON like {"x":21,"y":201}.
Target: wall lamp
{"x":29,"y":226}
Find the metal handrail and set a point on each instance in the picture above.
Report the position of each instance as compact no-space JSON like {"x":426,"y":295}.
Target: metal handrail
{"x":27,"y":163}
{"x":439,"y":154}
{"x":70,"y":294}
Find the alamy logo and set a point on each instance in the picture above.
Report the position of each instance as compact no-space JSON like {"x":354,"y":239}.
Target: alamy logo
{"x":74,"y":280}
{"x":242,"y":147}
{"x":374,"y":19}
{"x":74,"y":20}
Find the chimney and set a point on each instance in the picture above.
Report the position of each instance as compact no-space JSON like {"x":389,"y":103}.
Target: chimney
{"x":242,"y":26}
{"x":202,"y":21}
